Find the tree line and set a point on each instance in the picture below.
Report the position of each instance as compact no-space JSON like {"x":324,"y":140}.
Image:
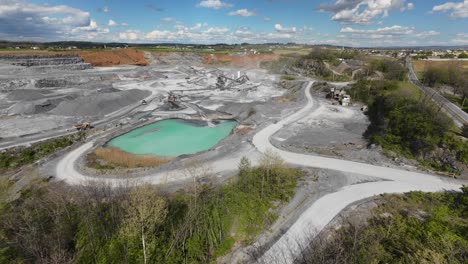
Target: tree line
{"x":56,"y":223}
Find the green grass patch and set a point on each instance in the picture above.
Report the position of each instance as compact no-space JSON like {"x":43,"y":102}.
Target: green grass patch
{"x":15,"y":158}
{"x":288,"y":78}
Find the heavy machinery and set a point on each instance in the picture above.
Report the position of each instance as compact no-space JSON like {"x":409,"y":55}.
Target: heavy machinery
{"x":173,"y":100}
{"x":83,"y":126}
{"x":224,"y":82}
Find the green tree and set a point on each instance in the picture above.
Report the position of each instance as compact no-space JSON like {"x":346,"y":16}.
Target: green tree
{"x":145,"y":210}
{"x":463,"y":55}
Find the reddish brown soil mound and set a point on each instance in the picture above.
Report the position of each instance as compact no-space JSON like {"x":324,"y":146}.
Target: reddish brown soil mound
{"x":114,"y":57}
{"x":250,"y":60}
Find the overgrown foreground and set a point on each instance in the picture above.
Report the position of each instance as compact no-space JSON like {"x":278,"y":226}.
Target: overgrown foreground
{"x":412,"y":228}
{"x":55,"y":223}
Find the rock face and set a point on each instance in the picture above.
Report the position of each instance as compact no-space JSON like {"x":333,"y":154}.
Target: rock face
{"x":49,"y":61}
{"x":44,"y":62}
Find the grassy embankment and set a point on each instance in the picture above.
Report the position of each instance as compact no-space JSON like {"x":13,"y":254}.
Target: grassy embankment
{"x":57,"y":223}
{"x":108,"y":158}
{"x":412,"y":228}
{"x":15,"y":158}
{"x":449,"y":77}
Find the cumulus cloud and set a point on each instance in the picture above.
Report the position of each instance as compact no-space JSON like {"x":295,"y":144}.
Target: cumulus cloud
{"x":196,"y":33}
{"x":456,"y":9}
{"x":214,"y":4}
{"x":90,"y":31}
{"x":393,"y":35}
{"x":128,"y":35}
{"x":112,"y":23}
{"x":361,"y":12}
{"x":242,"y":13}
{"x":217,"y":30}
{"x":426,"y":34}
{"x":393,"y":30}
{"x":21,"y":19}
{"x":410,"y":6}
{"x":280,"y":28}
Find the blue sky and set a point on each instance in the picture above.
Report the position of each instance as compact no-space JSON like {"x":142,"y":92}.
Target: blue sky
{"x":338,"y":22}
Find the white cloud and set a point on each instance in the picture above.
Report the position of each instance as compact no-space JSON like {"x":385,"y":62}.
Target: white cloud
{"x":214,"y":4}
{"x":361,"y":12}
{"x":167,"y":19}
{"x":410,"y":6}
{"x":457,"y":9}
{"x":217,"y":30}
{"x":426,"y":34}
{"x":21,"y":19}
{"x":112,"y":23}
{"x":267,"y":19}
{"x":198,"y":26}
{"x":393,"y":30}
{"x":242,"y":13}
{"x":128,"y":35}
{"x":282,"y":29}
{"x":196,"y":34}
{"x":387,"y":36}
{"x":89,"y":32}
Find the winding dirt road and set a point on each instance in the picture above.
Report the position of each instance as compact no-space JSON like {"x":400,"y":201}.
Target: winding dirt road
{"x":322,"y":212}
{"x":316,"y":217}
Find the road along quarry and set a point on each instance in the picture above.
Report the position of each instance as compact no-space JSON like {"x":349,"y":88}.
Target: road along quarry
{"x":316,"y":217}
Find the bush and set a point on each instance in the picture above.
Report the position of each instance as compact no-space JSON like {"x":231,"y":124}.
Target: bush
{"x":463,"y":55}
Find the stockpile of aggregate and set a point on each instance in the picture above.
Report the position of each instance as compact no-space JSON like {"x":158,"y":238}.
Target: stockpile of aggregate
{"x":99,"y":104}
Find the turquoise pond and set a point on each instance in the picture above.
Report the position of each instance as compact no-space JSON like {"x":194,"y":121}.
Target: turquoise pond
{"x":173,"y":137}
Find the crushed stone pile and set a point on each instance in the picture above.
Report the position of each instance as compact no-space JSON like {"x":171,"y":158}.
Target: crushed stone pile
{"x":99,"y":104}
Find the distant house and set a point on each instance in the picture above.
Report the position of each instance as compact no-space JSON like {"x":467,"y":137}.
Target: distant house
{"x":35,"y":48}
